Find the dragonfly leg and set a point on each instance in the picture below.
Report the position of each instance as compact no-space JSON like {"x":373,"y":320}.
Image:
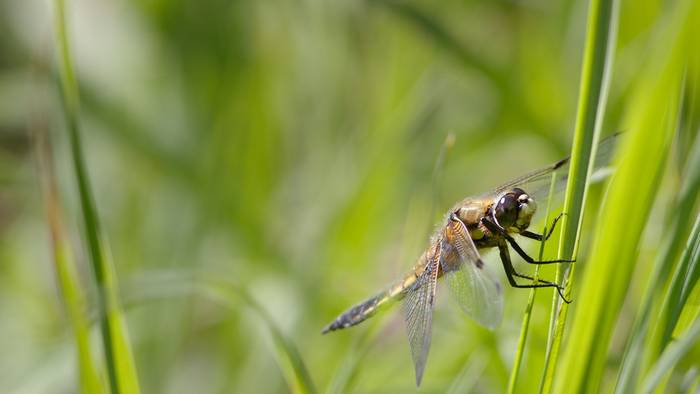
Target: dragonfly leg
{"x":511,"y":273}
{"x":500,"y":230}
{"x":541,"y":237}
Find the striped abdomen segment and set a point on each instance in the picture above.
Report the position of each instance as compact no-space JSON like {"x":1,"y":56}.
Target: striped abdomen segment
{"x":359,"y":312}
{"x":364,"y":310}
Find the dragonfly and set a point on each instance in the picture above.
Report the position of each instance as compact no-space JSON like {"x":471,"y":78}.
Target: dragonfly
{"x":490,"y":220}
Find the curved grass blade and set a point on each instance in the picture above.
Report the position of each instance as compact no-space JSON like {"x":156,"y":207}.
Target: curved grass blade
{"x":467,"y":56}
{"x":288,"y":356}
{"x":349,"y":368}
{"x":119,"y":359}
{"x":437,"y":32}
{"x":171,"y":283}
{"x":595,"y":79}
{"x":652,"y":119}
{"x":465,"y":382}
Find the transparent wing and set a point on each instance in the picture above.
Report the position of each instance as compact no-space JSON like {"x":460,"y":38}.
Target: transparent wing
{"x":418,"y":313}
{"x":536,"y":183}
{"x":479,"y":295}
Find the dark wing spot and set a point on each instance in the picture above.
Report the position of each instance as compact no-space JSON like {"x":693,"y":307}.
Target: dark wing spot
{"x":560,"y":163}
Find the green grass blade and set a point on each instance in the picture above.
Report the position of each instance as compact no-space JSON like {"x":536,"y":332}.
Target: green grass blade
{"x":344,"y":378}
{"x":122,"y":355}
{"x":595,"y":77}
{"x":434,"y":30}
{"x":288,"y":356}
{"x":670,"y":292}
{"x":525,"y":326}
{"x":466,"y":380}
{"x":675,"y":300}
{"x":688,"y":269}
{"x":670,"y":357}
{"x":690,"y":289}
{"x":684,"y":279}
{"x":232,"y":296}
{"x":66,"y":271}
{"x":119,"y":359}
{"x":693,"y":275}
{"x":672,"y":247}
{"x":652,"y":119}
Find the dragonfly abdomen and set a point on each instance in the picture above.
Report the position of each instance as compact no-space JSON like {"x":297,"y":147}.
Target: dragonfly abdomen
{"x":364,"y":310}
{"x":356,"y":314}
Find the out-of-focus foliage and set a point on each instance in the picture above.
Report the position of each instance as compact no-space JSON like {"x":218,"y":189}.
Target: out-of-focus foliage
{"x":288,"y":147}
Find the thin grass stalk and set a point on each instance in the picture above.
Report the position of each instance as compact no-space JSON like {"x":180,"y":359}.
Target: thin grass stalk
{"x":117,"y":350}
{"x":66,"y":271}
{"x":652,"y":120}
{"x":595,"y":80}
{"x":525,"y":326}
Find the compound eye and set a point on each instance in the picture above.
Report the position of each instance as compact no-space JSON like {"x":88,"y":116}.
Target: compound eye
{"x":520,"y":194}
{"x":508,"y":202}
{"x":507,"y":210}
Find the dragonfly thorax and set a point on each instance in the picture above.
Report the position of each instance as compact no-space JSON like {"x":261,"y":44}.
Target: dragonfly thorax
{"x":514,"y":210}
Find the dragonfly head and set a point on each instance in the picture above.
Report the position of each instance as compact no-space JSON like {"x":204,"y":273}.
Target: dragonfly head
{"x":514,"y":210}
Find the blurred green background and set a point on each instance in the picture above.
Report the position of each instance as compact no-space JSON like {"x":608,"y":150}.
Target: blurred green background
{"x":290,"y":147}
